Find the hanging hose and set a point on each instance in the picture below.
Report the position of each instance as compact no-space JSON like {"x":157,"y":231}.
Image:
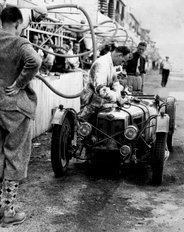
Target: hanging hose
{"x":55,"y":90}
{"x":64,"y":55}
{"x":125,"y":35}
{"x":88,"y":19}
{"x":77,"y":55}
{"x":114,"y":29}
{"x":78,"y":30}
{"x":111,"y":37}
{"x":68,"y":56}
{"x":84,"y":53}
{"x":107,"y":41}
{"x":118,"y":36}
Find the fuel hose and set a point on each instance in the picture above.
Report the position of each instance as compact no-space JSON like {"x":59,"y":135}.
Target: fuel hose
{"x":94,"y":50}
{"x":55,"y":90}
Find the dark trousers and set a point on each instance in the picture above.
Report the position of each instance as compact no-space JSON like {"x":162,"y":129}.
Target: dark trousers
{"x":165,"y":75}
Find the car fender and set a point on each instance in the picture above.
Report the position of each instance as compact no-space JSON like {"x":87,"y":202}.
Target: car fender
{"x":162,"y":123}
{"x":60,"y":114}
{"x":171,"y":111}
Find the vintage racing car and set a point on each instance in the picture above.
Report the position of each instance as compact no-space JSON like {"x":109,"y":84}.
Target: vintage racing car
{"x":139,"y":131}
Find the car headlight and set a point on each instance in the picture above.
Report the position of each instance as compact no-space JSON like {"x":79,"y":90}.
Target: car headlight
{"x":125,"y":150}
{"x":131,"y":132}
{"x":85,"y":129}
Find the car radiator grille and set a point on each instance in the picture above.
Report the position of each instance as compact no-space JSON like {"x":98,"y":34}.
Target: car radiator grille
{"x":110,"y":127}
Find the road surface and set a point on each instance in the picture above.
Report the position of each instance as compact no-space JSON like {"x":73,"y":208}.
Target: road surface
{"x":80,"y":202}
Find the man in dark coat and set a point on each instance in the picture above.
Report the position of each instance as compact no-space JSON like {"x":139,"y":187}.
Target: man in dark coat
{"x":135,"y":68}
{"x":19,"y":63}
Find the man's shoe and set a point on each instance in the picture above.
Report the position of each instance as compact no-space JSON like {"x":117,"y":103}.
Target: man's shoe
{"x":18,"y":218}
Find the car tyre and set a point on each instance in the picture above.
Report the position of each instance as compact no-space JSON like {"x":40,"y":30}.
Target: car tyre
{"x":170,"y":142}
{"x":158,"y":157}
{"x":60,"y":147}
{"x":171,"y":111}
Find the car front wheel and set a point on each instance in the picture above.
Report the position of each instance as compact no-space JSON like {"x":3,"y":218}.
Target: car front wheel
{"x":171,"y":111}
{"x":158,"y":157}
{"x":60,"y":147}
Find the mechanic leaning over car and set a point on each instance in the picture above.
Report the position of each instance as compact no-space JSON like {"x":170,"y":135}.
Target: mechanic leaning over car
{"x":135,"y":68}
{"x":103,"y":86}
{"x":19,"y":64}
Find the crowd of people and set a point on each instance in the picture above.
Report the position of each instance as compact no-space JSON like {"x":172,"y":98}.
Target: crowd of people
{"x":101,"y":78}
{"x":132,"y":71}
{"x":51,"y":62}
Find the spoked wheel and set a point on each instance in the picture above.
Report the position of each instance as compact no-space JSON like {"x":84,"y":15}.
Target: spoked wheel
{"x":60,"y":147}
{"x":158,"y":157}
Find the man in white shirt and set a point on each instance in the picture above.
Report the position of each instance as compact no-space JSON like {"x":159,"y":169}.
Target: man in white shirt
{"x":166,"y":68}
{"x":73,"y":62}
{"x":103,"y":84}
{"x":36,"y":41}
{"x":48,"y":60}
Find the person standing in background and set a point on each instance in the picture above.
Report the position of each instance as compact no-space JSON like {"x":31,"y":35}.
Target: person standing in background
{"x":73,"y":62}
{"x":48,"y":60}
{"x":19,"y":64}
{"x":35,"y":40}
{"x":135,"y":68}
{"x":166,"y":68}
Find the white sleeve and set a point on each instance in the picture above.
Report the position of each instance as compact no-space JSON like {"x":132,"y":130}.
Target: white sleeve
{"x":98,"y":75}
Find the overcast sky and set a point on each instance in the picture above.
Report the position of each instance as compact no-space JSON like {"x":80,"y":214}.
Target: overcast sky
{"x":165,"y":19}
